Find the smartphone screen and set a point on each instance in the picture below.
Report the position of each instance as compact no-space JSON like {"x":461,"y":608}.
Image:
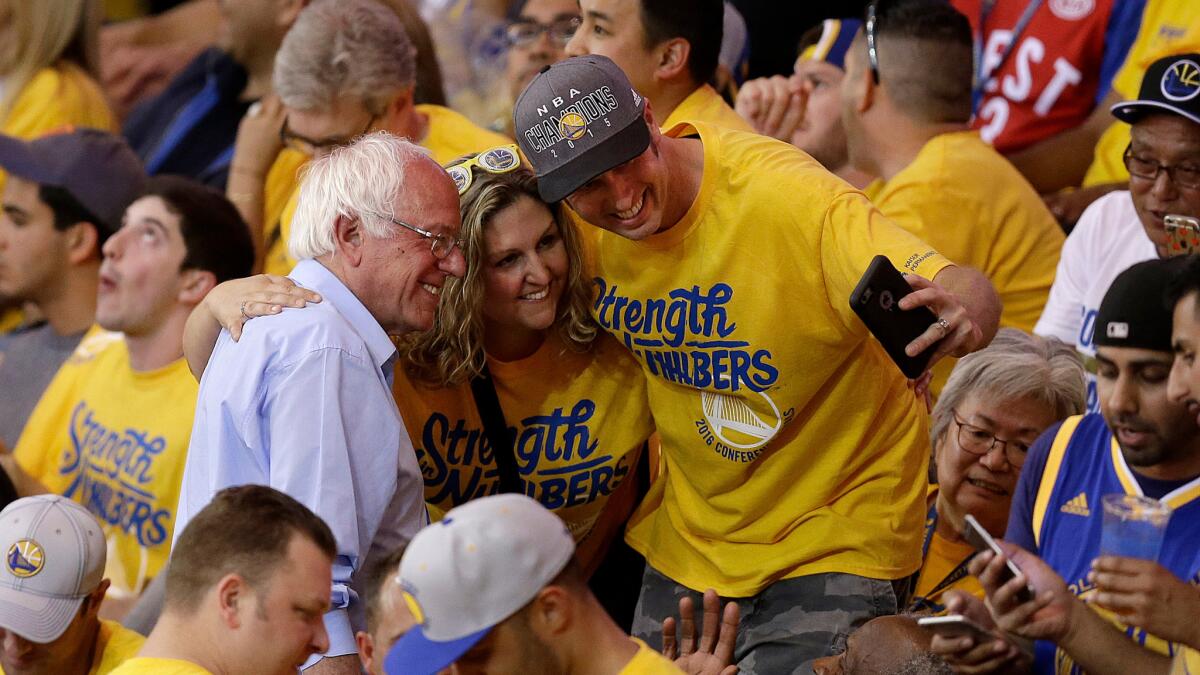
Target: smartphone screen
{"x":953,"y":626}
{"x":979,"y":538}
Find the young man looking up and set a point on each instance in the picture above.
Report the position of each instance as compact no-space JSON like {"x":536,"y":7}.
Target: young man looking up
{"x":133,"y":391}
{"x":64,"y":196}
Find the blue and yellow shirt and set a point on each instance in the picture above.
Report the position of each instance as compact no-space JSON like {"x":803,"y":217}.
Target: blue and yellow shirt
{"x":1057,"y":514}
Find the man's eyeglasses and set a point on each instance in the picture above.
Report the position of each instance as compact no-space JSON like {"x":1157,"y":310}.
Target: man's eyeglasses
{"x":980,"y":441}
{"x":308,"y":146}
{"x":440,"y":244}
{"x":500,"y":159}
{"x":524,"y":31}
{"x":872,"y":50}
{"x":1182,"y":175}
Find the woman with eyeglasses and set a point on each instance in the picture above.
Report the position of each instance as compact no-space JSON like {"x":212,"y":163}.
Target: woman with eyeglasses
{"x":572,"y":400}
{"x":996,"y":403}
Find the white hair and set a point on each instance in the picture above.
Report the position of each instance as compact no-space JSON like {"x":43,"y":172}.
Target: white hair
{"x":338,"y":48}
{"x":1015,"y":365}
{"x":360,"y":181}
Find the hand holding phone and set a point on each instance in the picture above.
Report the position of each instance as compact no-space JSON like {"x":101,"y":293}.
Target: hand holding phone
{"x":979,"y":538}
{"x":876,"y":300}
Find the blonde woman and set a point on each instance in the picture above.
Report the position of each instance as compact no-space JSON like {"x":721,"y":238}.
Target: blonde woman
{"x":49,"y":66}
{"x":572,"y":399}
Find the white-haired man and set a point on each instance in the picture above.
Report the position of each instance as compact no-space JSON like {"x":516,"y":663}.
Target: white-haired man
{"x":302,"y":401}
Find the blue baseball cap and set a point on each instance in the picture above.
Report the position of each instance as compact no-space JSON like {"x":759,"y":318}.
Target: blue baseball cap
{"x":469,"y":572}
{"x":97,"y":168}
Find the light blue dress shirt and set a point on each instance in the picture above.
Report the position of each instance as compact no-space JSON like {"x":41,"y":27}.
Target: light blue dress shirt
{"x":303,"y":403}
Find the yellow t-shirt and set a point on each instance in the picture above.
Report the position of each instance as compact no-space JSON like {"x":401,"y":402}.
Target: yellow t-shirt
{"x":143,"y":665}
{"x":450,"y":135}
{"x":1186,"y":662}
{"x":115,"y":441}
{"x":279,"y":191}
{"x":975,"y":208}
{"x":791,"y":444}
{"x":115,"y":644}
{"x":648,"y":662}
{"x":580,"y":420}
{"x":706,"y":105}
{"x":1168,"y":27}
{"x":56,"y":97}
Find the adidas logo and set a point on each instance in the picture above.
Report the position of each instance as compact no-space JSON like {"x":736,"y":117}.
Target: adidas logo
{"x":1077,"y":506}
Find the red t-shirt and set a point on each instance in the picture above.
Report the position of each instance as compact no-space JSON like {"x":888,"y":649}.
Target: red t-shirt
{"x":1062,"y":65}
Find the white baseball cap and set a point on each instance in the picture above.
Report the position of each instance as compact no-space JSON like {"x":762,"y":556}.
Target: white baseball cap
{"x":465,"y":574}
{"x":54,"y":554}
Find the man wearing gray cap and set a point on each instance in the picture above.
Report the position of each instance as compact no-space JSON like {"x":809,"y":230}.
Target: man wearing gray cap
{"x":794,"y":455}
{"x":51,"y":588}
{"x":64,"y":195}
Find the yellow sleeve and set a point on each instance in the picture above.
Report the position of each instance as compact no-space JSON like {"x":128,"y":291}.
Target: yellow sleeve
{"x":853,"y":233}
{"x":56,"y":97}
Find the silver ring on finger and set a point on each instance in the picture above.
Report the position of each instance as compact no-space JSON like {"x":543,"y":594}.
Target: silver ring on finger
{"x":244,"y":314}
{"x":944,"y":325}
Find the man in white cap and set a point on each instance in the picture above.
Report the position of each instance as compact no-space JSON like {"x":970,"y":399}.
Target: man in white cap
{"x":51,"y":588}
{"x":494,"y":588}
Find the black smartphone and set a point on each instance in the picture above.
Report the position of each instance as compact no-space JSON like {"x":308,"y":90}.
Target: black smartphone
{"x":978,"y":537}
{"x":876,"y":301}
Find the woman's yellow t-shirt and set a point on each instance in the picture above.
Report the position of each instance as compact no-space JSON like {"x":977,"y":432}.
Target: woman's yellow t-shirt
{"x":1186,"y":662}
{"x":115,"y":440}
{"x":450,"y":135}
{"x":791,"y":444}
{"x":55,"y":98}
{"x":580,"y":420}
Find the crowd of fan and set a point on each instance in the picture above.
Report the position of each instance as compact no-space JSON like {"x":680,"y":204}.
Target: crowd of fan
{"x":422,"y":336}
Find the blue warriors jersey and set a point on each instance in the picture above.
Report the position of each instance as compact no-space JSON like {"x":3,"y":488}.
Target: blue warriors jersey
{"x":1084,"y":464}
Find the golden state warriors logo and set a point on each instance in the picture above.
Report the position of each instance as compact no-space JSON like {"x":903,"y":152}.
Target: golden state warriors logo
{"x":25,"y":558}
{"x":572,"y":126}
{"x":1181,"y":82}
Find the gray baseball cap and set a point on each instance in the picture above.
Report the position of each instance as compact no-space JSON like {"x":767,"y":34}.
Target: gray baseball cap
{"x":577,"y":119}
{"x":54,"y":555}
{"x":99,"y":169}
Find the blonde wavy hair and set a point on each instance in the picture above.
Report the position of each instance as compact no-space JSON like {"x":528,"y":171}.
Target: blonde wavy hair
{"x":42,"y":33}
{"x":452,"y":352}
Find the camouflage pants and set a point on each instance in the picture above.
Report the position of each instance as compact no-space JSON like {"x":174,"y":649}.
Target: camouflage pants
{"x":784,"y":628}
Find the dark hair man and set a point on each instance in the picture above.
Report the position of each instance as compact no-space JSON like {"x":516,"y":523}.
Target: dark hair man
{"x":246,"y":590}
{"x":667,"y":51}
{"x":64,"y":196}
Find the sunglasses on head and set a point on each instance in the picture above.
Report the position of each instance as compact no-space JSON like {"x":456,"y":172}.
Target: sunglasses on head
{"x":500,"y":159}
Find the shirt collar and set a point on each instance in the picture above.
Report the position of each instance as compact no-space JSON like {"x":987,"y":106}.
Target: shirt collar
{"x":314,"y":275}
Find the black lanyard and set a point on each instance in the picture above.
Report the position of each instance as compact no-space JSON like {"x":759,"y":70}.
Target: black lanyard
{"x":981,"y":78}
{"x":959,"y":572}
{"x":496,"y":430}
